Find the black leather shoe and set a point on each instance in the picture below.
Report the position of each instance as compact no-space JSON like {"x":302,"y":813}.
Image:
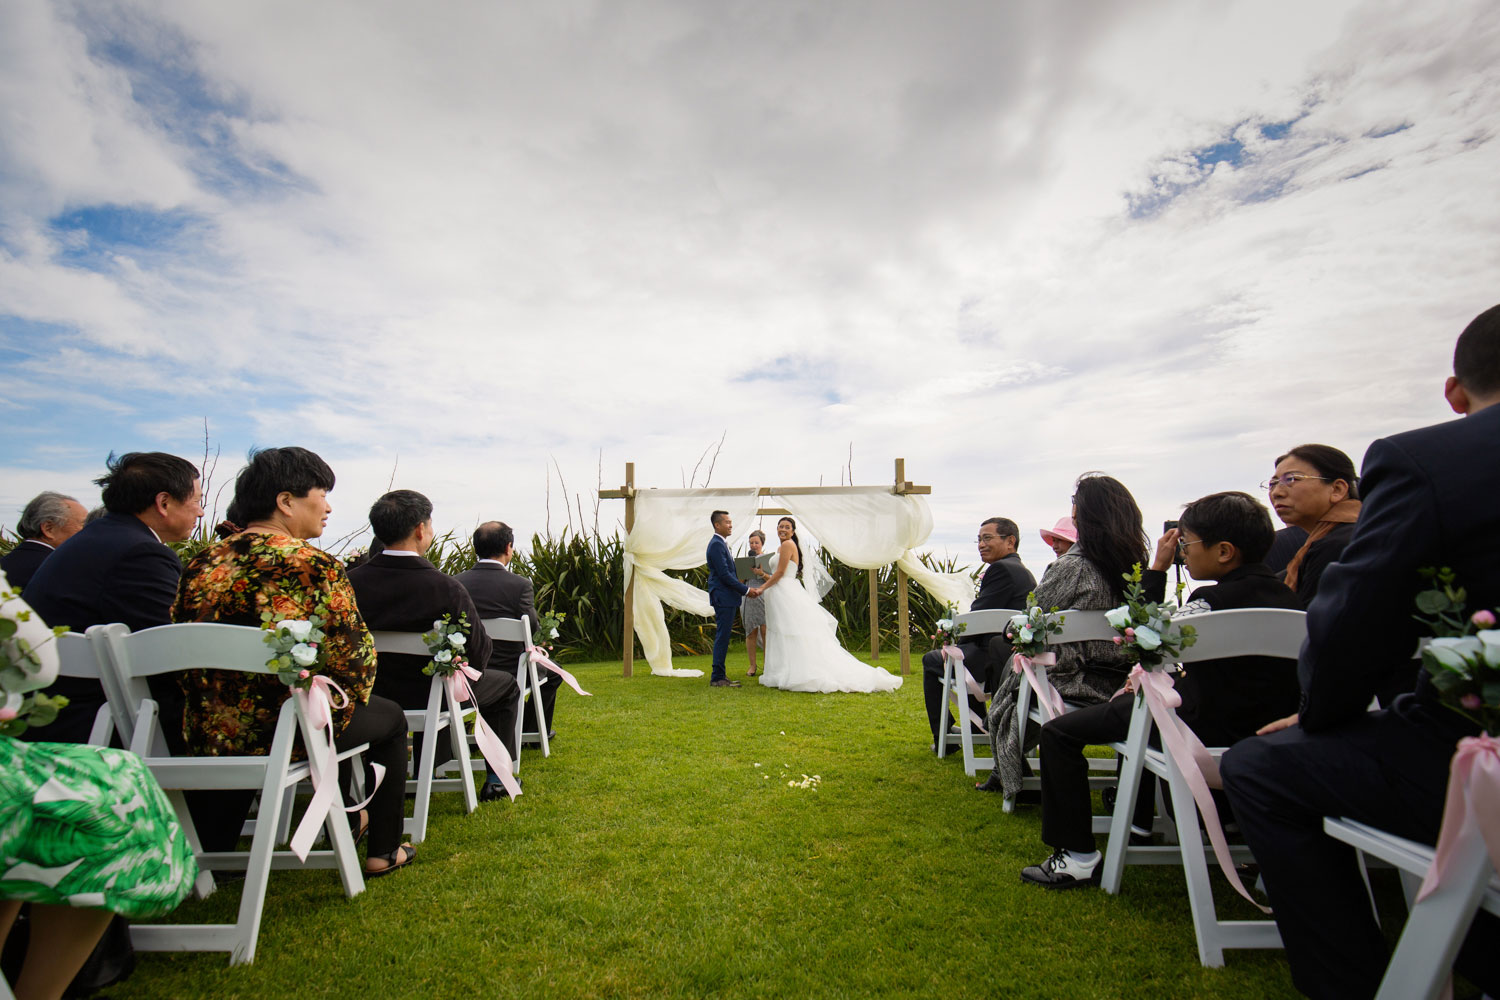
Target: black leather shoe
{"x":724,"y":682}
{"x":492,"y":790}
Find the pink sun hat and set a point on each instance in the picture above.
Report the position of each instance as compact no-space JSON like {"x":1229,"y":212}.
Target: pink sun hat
{"x":1062,"y":529}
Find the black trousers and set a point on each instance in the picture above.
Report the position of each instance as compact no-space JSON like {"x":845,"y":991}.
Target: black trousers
{"x":1067,"y":809}
{"x":495,"y":693}
{"x":976,"y":659}
{"x":1378,"y":769}
{"x":550,"y":684}
{"x":220,"y":815}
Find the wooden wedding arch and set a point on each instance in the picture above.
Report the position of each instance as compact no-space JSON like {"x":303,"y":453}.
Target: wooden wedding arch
{"x":901,"y":487}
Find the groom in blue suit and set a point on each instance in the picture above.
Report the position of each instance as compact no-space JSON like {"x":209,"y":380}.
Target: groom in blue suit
{"x":725,"y":592}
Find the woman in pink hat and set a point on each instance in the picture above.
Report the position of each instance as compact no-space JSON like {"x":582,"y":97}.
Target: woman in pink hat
{"x":1062,"y":537}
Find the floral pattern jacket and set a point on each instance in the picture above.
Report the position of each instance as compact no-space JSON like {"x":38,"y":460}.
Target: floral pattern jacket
{"x":233,"y":582}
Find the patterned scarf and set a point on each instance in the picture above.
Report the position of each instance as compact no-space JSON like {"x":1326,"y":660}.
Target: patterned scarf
{"x":1343,"y":512}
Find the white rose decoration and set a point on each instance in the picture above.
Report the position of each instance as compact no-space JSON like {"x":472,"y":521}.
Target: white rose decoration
{"x":1035,"y":614}
{"x":943,"y":623}
{"x":1457,"y":653}
{"x":1025,"y":634}
{"x":1146,"y":637}
{"x":298,"y":630}
{"x":457,"y":640}
{"x":443,"y":655}
{"x":1490,"y":640}
{"x":304,"y":655}
{"x":438,"y":625}
{"x":1118,"y":617}
{"x":1017,"y":621}
{"x":553,"y":635}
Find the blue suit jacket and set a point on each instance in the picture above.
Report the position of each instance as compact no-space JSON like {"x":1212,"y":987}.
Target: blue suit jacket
{"x":1430,"y":499}
{"x":724,"y":588}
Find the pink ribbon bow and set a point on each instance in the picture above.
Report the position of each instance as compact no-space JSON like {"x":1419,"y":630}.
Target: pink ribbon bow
{"x":540,"y":659}
{"x":1472,"y":808}
{"x":952,"y":654}
{"x":490,"y":746}
{"x":1199,"y":768}
{"x":1050,"y":701}
{"x":317,"y":705}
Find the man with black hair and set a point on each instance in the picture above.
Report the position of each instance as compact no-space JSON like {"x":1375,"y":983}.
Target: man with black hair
{"x":498,"y":592}
{"x":1429,"y":500}
{"x":46,"y":522}
{"x":725,"y":593}
{"x":1004,"y":583}
{"x":119,"y":569}
{"x":400,"y":591}
{"x":1222,"y":537}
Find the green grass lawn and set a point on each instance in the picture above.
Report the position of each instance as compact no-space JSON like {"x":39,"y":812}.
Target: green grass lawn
{"x":650,"y":856}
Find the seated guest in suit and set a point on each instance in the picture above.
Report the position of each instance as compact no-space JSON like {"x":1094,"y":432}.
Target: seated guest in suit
{"x":499,"y":592}
{"x":1222,"y":538}
{"x":1429,"y":500}
{"x":399,"y":591}
{"x":46,"y":522}
{"x":281,"y":496}
{"x":1314,"y":488}
{"x":1004,"y":583}
{"x":118,"y":569}
{"x":1090,"y":577}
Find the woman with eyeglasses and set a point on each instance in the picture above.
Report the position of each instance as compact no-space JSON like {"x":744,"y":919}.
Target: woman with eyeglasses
{"x":1316,"y":489}
{"x":1090,"y":576}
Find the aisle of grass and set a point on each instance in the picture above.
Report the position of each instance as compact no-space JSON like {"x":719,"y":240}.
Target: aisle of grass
{"x":649,"y":856}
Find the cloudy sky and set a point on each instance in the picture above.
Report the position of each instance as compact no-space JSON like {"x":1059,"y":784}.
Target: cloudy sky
{"x":474,"y":248}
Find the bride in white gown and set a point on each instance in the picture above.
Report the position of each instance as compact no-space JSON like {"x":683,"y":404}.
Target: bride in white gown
{"x":802,"y":645}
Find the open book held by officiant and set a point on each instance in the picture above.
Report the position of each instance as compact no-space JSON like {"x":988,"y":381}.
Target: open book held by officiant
{"x":745,"y":565}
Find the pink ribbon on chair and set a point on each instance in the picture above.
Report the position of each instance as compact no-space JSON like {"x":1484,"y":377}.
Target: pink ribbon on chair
{"x":317,"y":705}
{"x":1472,"y":809}
{"x":1049,"y":700}
{"x":955,"y":656}
{"x":540,"y":659}
{"x":1199,"y":768}
{"x":490,"y":746}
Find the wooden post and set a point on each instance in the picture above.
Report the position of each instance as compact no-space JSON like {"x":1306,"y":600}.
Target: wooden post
{"x":874,"y":614}
{"x":903,"y":621}
{"x":629,"y":647}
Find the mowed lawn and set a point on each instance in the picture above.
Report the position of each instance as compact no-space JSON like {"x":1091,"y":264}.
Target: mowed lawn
{"x":660,"y":852}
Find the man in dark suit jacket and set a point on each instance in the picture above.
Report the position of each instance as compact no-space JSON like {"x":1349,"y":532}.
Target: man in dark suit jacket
{"x":1005,"y":584}
{"x":500,"y":593}
{"x":1429,"y":500}
{"x":118,"y":569}
{"x":46,"y":522}
{"x":725,"y":592}
{"x":400,"y":591}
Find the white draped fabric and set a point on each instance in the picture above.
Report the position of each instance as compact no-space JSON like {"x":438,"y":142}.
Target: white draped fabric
{"x":672,"y":531}
{"x":871,"y":530}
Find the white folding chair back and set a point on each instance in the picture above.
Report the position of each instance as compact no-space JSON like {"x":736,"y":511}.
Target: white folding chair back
{"x":1078,"y":626}
{"x":1274,"y":632}
{"x":79,"y":657}
{"x":528,"y":679}
{"x":1435,"y":928}
{"x":442,"y":713}
{"x":133,"y":657}
{"x":987,"y":622}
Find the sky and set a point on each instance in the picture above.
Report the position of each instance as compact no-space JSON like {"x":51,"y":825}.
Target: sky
{"x":492,"y":252}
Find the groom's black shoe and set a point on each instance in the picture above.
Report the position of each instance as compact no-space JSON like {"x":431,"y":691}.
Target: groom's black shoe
{"x":724,"y":682}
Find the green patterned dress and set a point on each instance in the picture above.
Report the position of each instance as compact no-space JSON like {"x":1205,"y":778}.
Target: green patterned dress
{"x":88,"y":826}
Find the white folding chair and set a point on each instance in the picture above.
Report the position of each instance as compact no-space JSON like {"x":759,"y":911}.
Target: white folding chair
{"x":441,"y":713}
{"x":985,"y":622}
{"x":78,"y":656}
{"x":528,"y":679}
{"x":1274,"y":632}
{"x":1423,"y":960}
{"x":1078,"y":626}
{"x":133,"y":657}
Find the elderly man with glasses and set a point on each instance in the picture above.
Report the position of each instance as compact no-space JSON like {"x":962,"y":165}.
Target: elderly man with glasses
{"x":1004,"y":583}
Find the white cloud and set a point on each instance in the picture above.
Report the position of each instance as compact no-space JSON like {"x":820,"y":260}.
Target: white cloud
{"x":485,"y":238}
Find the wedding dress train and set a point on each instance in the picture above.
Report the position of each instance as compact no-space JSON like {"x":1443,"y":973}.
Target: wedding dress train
{"x":802,"y":645}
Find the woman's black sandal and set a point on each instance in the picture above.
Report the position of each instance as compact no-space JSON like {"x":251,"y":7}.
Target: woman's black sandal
{"x":392,"y":864}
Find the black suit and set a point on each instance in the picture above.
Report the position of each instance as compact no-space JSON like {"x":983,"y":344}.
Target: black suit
{"x":407,"y":594}
{"x":1005,"y":584}
{"x":113,"y":570}
{"x":1429,"y":500}
{"x":20,"y":563}
{"x":499,"y":593}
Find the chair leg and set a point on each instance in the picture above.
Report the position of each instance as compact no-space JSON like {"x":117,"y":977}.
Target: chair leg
{"x":458,"y":739}
{"x":1119,"y":824}
{"x":536,"y":707}
{"x":203,"y":885}
{"x":257,"y":874}
{"x":1423,"y":959}
{"x":941,"y":738}
{"x":424,"y":785}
